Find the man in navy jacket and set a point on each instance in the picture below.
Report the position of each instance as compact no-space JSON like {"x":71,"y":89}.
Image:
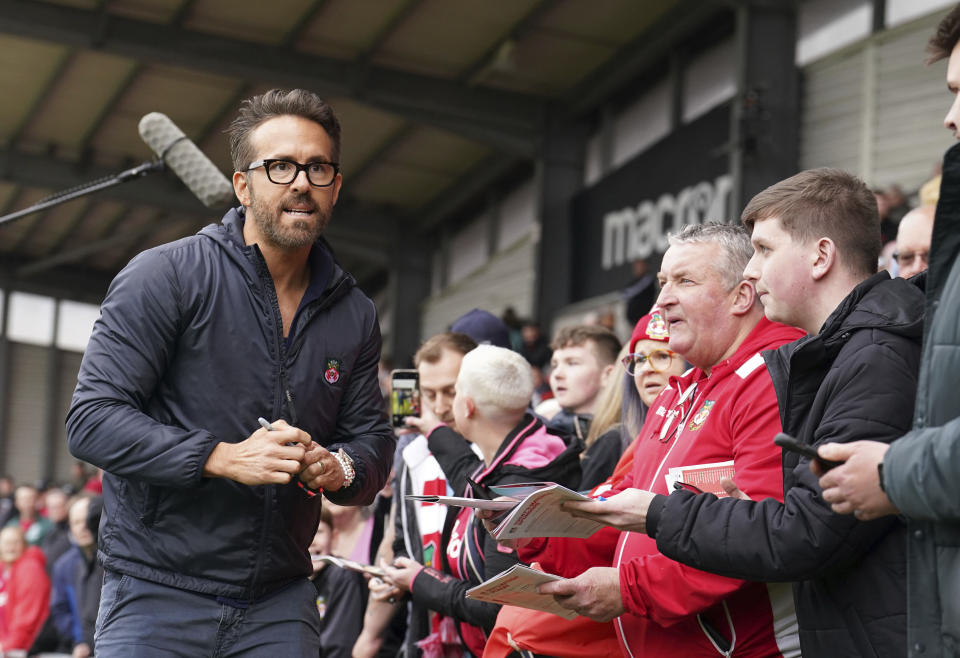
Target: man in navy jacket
{"x":208,"y":516}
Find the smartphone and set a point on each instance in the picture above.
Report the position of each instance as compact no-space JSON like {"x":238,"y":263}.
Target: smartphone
{"x":404,"y":395}
{"x":787,"y":442}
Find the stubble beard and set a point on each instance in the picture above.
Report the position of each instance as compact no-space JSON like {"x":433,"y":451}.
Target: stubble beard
{"x":270,"y":224}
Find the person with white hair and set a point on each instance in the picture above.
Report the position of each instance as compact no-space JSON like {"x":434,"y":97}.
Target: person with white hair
{"x":490,"y":410}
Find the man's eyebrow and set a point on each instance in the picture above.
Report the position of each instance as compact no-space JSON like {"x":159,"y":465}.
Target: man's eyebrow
{"x":952,"y":88}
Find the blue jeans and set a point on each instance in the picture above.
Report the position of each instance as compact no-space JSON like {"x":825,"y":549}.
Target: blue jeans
{"x":142,"y":619}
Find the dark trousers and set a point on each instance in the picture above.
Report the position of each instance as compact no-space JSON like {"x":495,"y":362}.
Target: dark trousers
{"x":142,"y":619}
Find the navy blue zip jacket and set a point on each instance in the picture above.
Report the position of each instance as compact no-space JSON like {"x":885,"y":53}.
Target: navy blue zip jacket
{"x":188,"y":352}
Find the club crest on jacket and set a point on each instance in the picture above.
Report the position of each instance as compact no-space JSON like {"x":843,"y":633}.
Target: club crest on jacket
{"x":332,"y":371}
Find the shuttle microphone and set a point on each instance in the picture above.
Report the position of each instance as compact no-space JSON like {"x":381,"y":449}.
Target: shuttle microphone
{"x":186,"y":160}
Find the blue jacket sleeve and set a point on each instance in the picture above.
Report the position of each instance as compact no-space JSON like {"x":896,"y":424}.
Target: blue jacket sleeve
{"x":132,"y":344}
{"x":64,"y":611}
{"x":362,"y":427}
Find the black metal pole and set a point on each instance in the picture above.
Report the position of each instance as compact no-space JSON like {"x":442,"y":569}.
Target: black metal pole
{"x":85,"y":189}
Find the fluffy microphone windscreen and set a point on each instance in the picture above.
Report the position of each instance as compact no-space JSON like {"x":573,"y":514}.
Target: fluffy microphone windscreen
{"x":186,"y":160}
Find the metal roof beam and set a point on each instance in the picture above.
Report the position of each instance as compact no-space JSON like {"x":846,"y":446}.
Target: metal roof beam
{"x":510,"y":121}
{"x":656,"y":42}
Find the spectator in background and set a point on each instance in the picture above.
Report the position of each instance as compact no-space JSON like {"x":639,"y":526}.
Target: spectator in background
{"x":24,"y":591}
{"x":514,"y":326}
{"x":535,"y":349}
{"x":77,"y":577}
{"x":583,"y":358}
{"x":27,"y":516}
{"x":648,"y":364}
{"x":57,"y":541}
{"x":891,"y":206}
{"x":913,"y":241}
{"x":341,"y":594}
{"x":7,"y":510}
{"x":484,"y":327}
{"x":641,"y":294}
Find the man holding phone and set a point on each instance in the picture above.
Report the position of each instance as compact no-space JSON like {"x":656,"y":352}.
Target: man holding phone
{"x":418,"y":527}
{"x":816,"y":238}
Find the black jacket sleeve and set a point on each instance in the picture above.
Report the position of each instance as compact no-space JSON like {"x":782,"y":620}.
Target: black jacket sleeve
{"x":802,"y":538}
{"x":132,"y":345}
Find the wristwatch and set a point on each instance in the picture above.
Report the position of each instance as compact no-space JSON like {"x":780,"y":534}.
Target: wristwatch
{"x":346,"y":463}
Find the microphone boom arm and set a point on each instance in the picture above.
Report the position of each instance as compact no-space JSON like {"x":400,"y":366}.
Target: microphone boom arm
{"x":87,"y":188}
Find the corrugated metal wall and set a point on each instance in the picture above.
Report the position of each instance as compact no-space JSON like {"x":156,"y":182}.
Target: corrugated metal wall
{"x":875,"y":110}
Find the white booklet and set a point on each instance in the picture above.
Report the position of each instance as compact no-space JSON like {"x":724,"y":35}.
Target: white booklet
{"x":518,"y":586}
{"x":533,"y":510}
{"x":349,"y":565}
{"x":457,"y":501}
{"x":539,"y":514}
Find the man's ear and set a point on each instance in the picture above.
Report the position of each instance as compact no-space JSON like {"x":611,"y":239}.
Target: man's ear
{"x":470,"y":406}
{"x":605,"y":373}
{"x":743,"y":297}
{"x":824,"y":258}
{"x":240,"y":188}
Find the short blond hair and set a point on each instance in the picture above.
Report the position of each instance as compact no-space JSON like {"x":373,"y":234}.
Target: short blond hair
{"x":498,"y":380}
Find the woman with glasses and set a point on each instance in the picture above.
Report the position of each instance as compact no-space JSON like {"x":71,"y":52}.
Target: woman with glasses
{"x":647,"y":364}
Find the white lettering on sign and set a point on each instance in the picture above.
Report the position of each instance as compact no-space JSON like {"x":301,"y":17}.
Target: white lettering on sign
{"x":636,"y":232}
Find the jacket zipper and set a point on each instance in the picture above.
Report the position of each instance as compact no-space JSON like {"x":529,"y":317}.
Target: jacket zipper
{"x":267,"y":283}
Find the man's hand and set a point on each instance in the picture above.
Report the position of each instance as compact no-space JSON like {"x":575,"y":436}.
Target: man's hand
{"x":426,"y":422}
{"x":82,"y":650}
{"x":383,"y":591}
{"x":402,"y":573}
{"x":262,"y":458}
{"x":595,"y":593}
{"x":733,"y":490}
{"x":854,"y":486}
{"x":321,"y":470}
{"x":492,"y":518}
{"x":625,"y":511}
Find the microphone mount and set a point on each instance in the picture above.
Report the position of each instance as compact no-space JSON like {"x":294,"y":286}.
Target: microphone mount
{"x":72,"y":193}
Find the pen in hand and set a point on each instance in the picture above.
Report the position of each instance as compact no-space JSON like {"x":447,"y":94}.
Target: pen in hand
{"x":265,"y":424}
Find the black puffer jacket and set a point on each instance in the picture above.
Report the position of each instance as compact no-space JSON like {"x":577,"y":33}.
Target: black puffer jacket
{"x":855,"y":380}
{"x":188,"y":352}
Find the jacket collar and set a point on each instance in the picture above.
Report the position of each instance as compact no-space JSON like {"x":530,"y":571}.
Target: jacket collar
{"x":229,"y":235}
{"x":879,"y":302}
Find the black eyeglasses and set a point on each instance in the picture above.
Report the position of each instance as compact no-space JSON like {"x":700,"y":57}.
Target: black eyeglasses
{"x":284,"y":172}
{"x":659,"y":361}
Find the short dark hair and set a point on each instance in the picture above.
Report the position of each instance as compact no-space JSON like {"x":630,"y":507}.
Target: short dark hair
{"x":432,"y":349}
{"x":607,"y":345}
{"x":824,"y":203}
{"x":942,"y":42}
{"x":276,"y":103}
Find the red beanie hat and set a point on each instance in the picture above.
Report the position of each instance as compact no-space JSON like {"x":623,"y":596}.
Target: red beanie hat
{"x":651,"y":326}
